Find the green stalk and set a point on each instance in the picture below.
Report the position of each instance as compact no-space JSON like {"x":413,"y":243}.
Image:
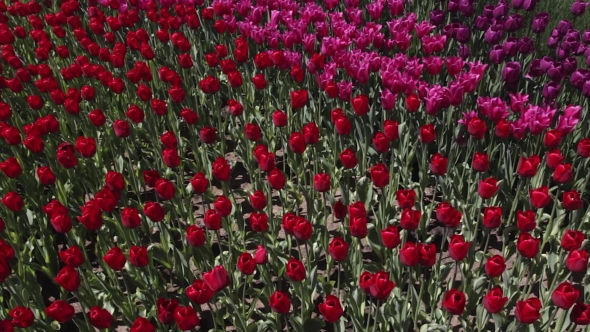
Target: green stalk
{"x":377,"y":316}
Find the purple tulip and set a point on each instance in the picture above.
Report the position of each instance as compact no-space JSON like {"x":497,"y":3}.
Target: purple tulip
{"x":488,"y":11}
{"x":387,"y":100}
{"x":463,"y":33}
{"x":455,"y":93}
{"x":573,"y":39}
{"x":563,"y":27}
{"x":556,"y":72}
{"x":554,"y":39}
{"x":432,"y":64}
{"x":466,"y":8}
{"x":510,"y":46}
{"x":586,"y":89}
{"x":551,"y":90}
{"x":482,"y":23}
{"x":573,"y":34}
{"x":581,"y":49}
{"x":493,"y":35}
{"x":518,"y":4}
{"x":464,"y":51}
{"x":540,"y":22}
{"x":453,"y":6}
{"x":579,"y":7}
{"x":513,"y":23}
{"x":529,"y":5}
{"x":546,"y":62}
{"x":345,"y":90}
{"x":586,"y":37}
{"x":570,"y":65}
{"x":450,"y":30}
{"x":569,"y":45}
{"x":565,"y":49}
{"x":437,"y":17}
{"x":511,"y":72}
{"x":579,"y":77}
{"x":526,"y":46}
{"x":375,"y":9}
{"x":588,"y":61}
{"x":501,"y":10}
{"x":497,"y":54}
{"x":535,"y":69}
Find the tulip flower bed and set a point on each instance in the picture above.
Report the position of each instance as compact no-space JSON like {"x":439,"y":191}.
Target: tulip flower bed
{"x":284,"y":165}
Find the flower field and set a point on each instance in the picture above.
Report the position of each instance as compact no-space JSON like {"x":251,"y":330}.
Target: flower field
{"x":283,"y":165}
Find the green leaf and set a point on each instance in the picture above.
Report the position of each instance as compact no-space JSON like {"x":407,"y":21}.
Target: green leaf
{"x":313,"y":325}
{"x":161,"y":256}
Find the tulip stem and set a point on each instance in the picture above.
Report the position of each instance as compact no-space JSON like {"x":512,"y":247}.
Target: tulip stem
{"x":270,"y":215}
{"x":410,"y":291}
{"x":442,"y":248}
{"x":233,"y":305}
{"x":553,"y":318}
{"x":516,"y":326}
{"x":220,"y":249}
{"x":244,"y":297}
{"x":84,"y":313}
{"x":417,"y":313}
{"x":368,"y":315}
{"x":451,"y":282}
{"x":286,"y":323}
{"x":376,"y":316}
{"x":16,"y":293}
{"x":338,"y":280}
{"x":485,"y":247}
{"x":131,"y":304}
{"x":213,"y":314}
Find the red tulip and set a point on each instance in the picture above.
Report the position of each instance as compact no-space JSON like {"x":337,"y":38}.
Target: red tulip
{"x":331,"y":309}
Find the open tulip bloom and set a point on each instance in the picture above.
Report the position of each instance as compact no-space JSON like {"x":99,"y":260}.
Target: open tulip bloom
{"x":374,"y":165}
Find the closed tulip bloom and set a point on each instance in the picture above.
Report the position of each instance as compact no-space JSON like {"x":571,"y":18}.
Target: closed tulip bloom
{"x":295,"y":270}
{"x":495,"y":266}
{"x":60,"y":311}
{"x":142,"y":325}
{"x":577,"y":260}
{"x":580,"y":314}
{"x":494,"y":301}
{"x":331,"y":309}
{"x":280,"y":302}
{"x":390,"y":237}
{"x":406,"y":198}
{"x":438,"y":164}
{"x":138,"y":256}
{"x":487,"y":188}
{"x":527,"y":167}
{"x":186,"y":318}
{"x":454,"y":302}
{"x":338,"y":249}
{"x":458,"y":248}
{"x":527,"y":246}
{"x":321,"y":182}
{"x":540,"y":197}
{"x":22,"y":317}
{"x":68,"y":278}
{"x":379,"y":175}
{"x":100,"y":318}
{"x":217,"y":278}
{"x":381,"y":287}
{"x":565,"y":295}
{"x":528,"y":311}
{"x":199,"y":292}
{"x":572,"y":240}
